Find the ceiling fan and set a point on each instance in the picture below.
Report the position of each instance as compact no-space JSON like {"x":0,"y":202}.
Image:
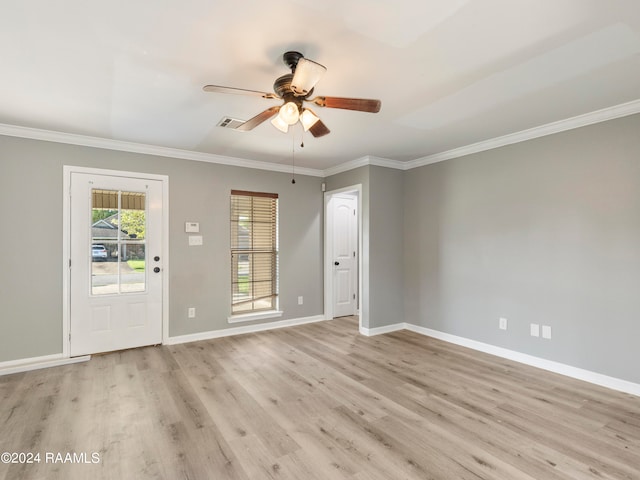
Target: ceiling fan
{"x":294,"y":89}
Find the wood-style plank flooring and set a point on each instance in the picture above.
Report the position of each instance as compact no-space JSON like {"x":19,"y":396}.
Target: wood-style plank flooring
{"x":317,"y":401}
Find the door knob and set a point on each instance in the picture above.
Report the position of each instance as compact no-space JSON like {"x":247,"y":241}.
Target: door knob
{"x":157,"y":269}
{"x":336,"y":263}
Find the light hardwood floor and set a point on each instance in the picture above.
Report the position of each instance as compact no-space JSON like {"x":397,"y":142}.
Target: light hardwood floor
{"x":319,"y":402}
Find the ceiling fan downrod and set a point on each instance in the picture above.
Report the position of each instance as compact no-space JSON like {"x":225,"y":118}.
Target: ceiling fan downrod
{"x":291,"y":59}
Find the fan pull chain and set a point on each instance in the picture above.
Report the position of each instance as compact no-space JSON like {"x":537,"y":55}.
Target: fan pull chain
{"x":293,"y":158}
{"x":293,"y":154}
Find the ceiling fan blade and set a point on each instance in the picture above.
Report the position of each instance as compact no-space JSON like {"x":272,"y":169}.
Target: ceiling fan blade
{"x":237,"y":91}
{"x":319,"y":129}
{"x":359,"y":104}
{"x":258,"y":119}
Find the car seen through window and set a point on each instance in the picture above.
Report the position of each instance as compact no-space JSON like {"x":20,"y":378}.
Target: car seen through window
{"x":99,"y":253}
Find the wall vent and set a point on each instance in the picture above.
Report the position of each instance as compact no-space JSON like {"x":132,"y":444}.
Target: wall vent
{"x":228,"y":122}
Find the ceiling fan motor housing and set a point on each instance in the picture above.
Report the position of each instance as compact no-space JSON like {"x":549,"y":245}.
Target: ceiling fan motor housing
{"x":282,"y":87}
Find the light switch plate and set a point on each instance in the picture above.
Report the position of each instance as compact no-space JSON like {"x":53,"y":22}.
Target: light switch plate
{"x":546,"y":331}
{"x":195,"y":240}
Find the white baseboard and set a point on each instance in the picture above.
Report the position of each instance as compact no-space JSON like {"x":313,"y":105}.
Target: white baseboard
{"x":370,"y":332}
{"x":260,"y":327}
{"x":36,"y":363}
{"x":556,"y":367}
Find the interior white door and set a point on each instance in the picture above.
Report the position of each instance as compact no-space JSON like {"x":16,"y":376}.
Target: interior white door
{"x":345,"y":254}
{"x":116,"y":268}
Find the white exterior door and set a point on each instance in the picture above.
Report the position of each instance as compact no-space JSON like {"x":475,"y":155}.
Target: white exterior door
{"x":345,"y":254}
{"x":115,"y":263}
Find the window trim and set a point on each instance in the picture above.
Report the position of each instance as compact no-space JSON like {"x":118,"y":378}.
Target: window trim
{"x":259,"y":315}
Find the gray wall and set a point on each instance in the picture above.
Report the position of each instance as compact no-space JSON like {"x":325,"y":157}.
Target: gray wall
{"x":546,"y":231}
{"x":382,"y":225}
{"x":31,"y":180}
{"x":386,"y":234}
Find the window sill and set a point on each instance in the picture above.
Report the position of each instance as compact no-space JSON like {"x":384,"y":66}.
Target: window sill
{"x":250,"y":317}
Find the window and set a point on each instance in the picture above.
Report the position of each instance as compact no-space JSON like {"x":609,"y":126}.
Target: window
{"x":118,"y":243}
{"x":254,"y":252}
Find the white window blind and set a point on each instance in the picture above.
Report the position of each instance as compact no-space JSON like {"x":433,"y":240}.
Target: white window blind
{"x":254,"y":251}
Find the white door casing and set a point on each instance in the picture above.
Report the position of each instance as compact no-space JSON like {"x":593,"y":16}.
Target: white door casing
{"x":344,"y":248}
{"x":124,"y":314}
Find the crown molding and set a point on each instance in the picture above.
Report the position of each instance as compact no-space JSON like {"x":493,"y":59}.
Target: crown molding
{"x":386,"y":162}
{"x":598,"y":116}
{"x":362,"y":162}
{"x":603,"y":115}
{"x":132,"y":147}
{"x":345,"y":167}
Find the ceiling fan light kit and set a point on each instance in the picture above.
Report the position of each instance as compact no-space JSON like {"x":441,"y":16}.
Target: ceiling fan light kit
{"x":294,"y":89}
{"x":280,"y":124}
{"x":308,"y":119}
{"x":307,"y":74}
{"x":289,"y":113}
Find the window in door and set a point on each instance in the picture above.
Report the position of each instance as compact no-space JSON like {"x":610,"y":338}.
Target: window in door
{"x":254,"y":252}
{"x":118,"y":243}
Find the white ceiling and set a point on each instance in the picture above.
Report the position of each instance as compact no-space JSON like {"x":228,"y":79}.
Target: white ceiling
{"x":449,"y":73}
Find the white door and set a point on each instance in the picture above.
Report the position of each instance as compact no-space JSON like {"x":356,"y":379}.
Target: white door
{"x":116,"y":268}
{"x":345,"y":254}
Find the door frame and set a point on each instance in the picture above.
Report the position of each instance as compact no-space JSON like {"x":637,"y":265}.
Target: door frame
{"x":66,"y":245}
{"x":356,"y":191}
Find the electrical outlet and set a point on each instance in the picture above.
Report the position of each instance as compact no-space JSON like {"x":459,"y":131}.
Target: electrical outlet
{"x":300,"y":300}
{"x":502,"y":323}
{"x":546,"y":331}
{"x":535,"y":330}
{"x":191,"y":313}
